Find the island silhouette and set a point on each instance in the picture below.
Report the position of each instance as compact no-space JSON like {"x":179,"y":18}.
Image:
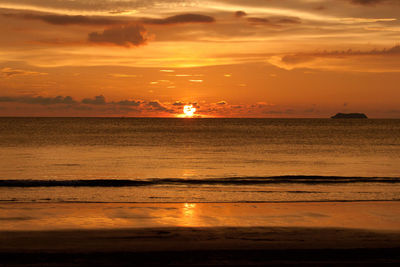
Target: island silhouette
{"x":350,"y":116}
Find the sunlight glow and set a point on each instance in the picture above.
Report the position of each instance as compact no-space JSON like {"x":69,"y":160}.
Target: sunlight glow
{"x":189,"y":110}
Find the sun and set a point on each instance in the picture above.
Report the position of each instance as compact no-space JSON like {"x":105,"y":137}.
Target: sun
{"x":189,"y":110}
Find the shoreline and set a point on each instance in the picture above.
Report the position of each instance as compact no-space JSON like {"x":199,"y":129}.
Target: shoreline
{"x":370,"y":215}
{"x":212,"y":234}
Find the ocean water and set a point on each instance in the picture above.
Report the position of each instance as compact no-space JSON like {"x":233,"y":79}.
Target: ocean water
{"x":198,"y":160}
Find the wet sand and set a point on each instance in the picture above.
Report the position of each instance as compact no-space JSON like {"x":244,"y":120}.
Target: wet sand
{"x":197,"y":245}
{"x":326,"y":237}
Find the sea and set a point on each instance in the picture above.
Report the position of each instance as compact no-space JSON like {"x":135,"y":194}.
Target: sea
{"x":195,"y":160}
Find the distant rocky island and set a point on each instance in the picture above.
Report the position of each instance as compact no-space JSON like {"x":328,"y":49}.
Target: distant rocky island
{"x":350,"y":116}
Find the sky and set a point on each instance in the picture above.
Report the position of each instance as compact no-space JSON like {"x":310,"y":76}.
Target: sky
{"x":227,"y":58}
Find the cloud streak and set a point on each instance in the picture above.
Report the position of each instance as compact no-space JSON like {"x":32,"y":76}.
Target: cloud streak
{"x":299,"y":58}
{"x":10,"y":72}
{"x":180,"y":19}
{"x":66,"y":19}
{"x":376,"y":60}
{"x":128,"y":36}
{"x":60,"y":20}
{"x":97,"y":100}
{"x":240,"y":14}
{"x":367,"y":2}
{"x":110,"y":6}
{"x":38,"y":100}
{"x":273,"y":21}
{"x":158,"y":106}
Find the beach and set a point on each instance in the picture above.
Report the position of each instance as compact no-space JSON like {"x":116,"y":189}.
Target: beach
{"x":363,"y":233}
{"x":143,"y":191}
{"x":199,"y":133}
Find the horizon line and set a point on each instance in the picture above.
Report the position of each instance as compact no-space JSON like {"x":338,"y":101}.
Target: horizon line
{"x":189,"y":118}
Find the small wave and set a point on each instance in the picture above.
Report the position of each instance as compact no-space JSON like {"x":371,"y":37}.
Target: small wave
{"x":212,"y":181}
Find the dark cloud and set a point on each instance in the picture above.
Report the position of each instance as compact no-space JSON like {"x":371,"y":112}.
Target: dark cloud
{"x":56,"y":19}
{"x":222,"y":103}
{"x":157,"y":106}
{"x":372,"y":3}
{"x":367,"y":2}
{"x":240,"y":14}
{"x":132,"y":35}
{"x":38,"y":100}
{"x":259,"y":20}
{"x":97,"y":100}
{"x":67,"y":20}
{"x":395,"y":50}
{"x":301,"y":58}
{"x":95,"y":104}
{"x":133,"y":103}
{"x":10,"y":72}
{"x":237,"y":106}
{"x":274,"y":21}
{"x":196,"y":105}
{"x":178,"y":104}
{"x":178,"y":19}
{"x":287,"y":20}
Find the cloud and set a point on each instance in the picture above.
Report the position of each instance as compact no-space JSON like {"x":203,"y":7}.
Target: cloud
{"x":179,"y":19}
{"x":90,"y":106}
{"x":373,"y":2}
{"x":222,"y":103}
{"x":178,"y":104}
{"x":10,"y":72}
{"x":57,"y":19}
{"x":367,"y":2}
{"x":259,"y":20}
{"x":300,"y":58}
{"x":38,"y":100}
{"x":97,"y":100}
{"x":66,"y":19}
{"x":157,"y":106}
{"x":274,"y":21}
{"x":132,"y":35}
{"x":287,"y":20}
{"x":376,"y":60}
{"x":133,"y":103}
{"x":109,"y":6}
{"x":240,"y":14}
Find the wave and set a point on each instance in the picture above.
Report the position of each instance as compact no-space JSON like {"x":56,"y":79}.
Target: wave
{"x":299,"y":179}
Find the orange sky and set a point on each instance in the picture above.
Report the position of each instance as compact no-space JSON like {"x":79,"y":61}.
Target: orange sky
{"x":236,"y":58}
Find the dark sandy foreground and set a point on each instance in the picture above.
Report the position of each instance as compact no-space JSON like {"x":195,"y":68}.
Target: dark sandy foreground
{"x":232,"y":246}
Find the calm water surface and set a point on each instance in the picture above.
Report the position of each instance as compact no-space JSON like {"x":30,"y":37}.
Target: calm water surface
{"x":198,"y":160}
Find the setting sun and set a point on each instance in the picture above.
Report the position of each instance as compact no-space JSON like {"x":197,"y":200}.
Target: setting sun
{"x":189,"y":110}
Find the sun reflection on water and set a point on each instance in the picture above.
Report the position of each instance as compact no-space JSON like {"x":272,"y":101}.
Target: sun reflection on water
{"x":188,"y":214}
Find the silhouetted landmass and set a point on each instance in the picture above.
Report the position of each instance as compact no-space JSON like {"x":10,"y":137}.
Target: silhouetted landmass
{"x":350,"y":116}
